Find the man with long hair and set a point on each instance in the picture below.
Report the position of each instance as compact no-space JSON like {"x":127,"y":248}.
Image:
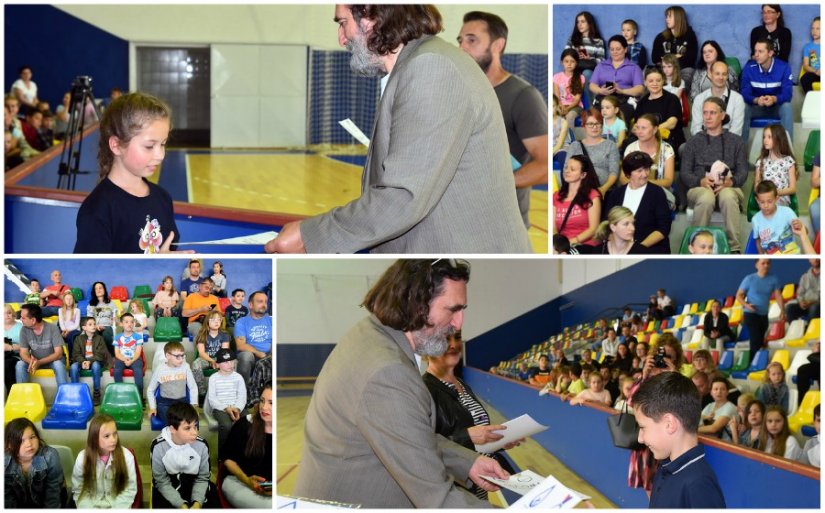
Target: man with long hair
{"x":370,"y":427}
{"x":438,"y":177}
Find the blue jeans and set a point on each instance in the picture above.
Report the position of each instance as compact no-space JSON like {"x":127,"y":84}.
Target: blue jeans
{"x":137,"y":369}
{"x":96,"y":368}
{"x":782,"y":111}
{"x":49,"y":311}
{"x":21,"y":371}
{"x":813,"y":210}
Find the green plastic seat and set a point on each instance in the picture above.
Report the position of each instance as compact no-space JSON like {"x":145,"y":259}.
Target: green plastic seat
{"x":143,"y":291}
{"x":811,"y":150}
{"x":753,"y":206}
{"x":741,"y":363}
{"x":208,"y":372}
{"x":122,"y":401}
{"x":720,"y":239}
{"x":78,"y":294}
{"x":734,"y":64}
{"x":167,"y":329}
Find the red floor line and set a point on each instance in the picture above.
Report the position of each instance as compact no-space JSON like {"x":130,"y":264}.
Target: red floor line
{"x":293,"y":467}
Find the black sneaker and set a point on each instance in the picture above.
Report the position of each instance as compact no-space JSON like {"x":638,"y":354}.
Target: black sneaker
{"x":96,"y":398}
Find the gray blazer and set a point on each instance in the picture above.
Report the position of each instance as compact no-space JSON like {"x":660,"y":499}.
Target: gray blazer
{"x":370,"y":430}
{"x":438,"y":177}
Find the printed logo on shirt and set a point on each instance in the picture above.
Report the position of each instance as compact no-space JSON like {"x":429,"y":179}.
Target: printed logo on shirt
{"x":150,"y":236}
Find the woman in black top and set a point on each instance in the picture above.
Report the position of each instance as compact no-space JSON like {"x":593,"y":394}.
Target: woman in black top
{"x":247,"y":456}
{"x":773,"y":28}
{"x":678,"y":39}
{"x":460,"y":416}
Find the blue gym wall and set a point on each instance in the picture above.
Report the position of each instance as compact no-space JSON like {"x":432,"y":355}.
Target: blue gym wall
{"x":58,"y":47}
{"x":248,"y":274}
{"x":729,"y":25}
{"x":579,"y":437}
{"x":716,"y":278}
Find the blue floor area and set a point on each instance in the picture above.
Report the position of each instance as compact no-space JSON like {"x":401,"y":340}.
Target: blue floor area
{"x":46,"y":175}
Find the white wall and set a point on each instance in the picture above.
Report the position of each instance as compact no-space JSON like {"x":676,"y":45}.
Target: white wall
{"x":578,"y":272}
{"x":282,"y":24}
{"x":317,"y":299}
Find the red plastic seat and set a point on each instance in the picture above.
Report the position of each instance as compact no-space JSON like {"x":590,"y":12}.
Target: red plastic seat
{"x":119,"y":292}
{"x":129,"y":373}
{"x":223,"y":302}
{"x":776,"y":332}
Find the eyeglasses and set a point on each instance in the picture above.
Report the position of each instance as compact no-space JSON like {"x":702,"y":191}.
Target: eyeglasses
{"x":178,"y":356}
{"x":592,"y":125}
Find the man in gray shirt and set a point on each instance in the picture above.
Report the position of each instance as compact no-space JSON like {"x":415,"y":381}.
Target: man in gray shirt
{"x":483,"y":37}
{"x":41,"y":346}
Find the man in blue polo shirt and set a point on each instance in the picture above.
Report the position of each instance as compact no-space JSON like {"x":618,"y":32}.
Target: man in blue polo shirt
{"x":253,"y":334}
{"x":667,"y":409}
{"x":767,"y":88}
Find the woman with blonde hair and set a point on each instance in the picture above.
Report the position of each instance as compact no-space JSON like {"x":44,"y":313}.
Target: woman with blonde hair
{"x":615,"y":235}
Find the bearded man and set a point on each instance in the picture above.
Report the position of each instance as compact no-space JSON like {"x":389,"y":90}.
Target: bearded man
{"x":369,"y":434}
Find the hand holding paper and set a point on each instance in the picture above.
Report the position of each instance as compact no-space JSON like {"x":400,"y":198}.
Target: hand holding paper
{"x":517,"y":429}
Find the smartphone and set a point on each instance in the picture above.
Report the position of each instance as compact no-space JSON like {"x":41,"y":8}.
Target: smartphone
{"x":609,"y":85}
{"x":213,"y":305}
{"x":265,"y":484}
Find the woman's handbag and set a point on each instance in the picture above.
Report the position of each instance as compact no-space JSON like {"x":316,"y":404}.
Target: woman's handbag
{"x":625,"y":430}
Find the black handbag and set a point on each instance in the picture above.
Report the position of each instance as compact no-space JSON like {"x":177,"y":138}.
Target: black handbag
{"x":625,"y":430}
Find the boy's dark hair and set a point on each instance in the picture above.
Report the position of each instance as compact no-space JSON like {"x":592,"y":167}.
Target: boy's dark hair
{"x":670,"y":392}
{"x":181,"y":412}
{"x":238,"y":290}
{"x":171,"y":346}
{"x":576,"y":370}
{"x":84,"y":320}
{"x":633,"y":24}
{"x":587,"y":367}
{"x":125,"y":315}
{"x":766,"y":186}
{"x":543,"y":356}
{"x":609,"y":329}
{"x":720,"y":379}
{"x":34,"y":280}
{"x":33,"y":311}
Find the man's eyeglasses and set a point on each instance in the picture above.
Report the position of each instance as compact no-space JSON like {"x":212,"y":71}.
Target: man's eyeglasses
{"x":178,"y":356}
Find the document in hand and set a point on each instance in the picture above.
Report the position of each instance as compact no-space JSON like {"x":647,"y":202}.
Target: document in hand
{"x":517,"y":428}
{"x":539,"y":492}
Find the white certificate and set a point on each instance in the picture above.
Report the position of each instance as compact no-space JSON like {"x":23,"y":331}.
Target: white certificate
{"x":256,"y":239}
{"x":520,"y":427}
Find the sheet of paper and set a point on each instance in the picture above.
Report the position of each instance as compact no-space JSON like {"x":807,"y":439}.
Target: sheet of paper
{"x":354,"y":131}
{"x":520,"y":483}
{"x":257,"y":239}
{"x":549,"y":494}
{"x":517,"y":428}
{"x":291,"y":503}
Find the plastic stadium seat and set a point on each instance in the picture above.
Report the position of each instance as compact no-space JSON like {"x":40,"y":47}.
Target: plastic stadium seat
{"x":740,"y":364}
{"x":715,"y":355}
{"x":224,"y":302}
{"x":809,"y":115}
{"x":129,"y":373}
{"x":157,"y":423}
{"x":685,"y":309}
{"x":811,"y":149}
{"x":753,"y":207}
{"x":686,"y":320}
{"x":726,"y":362}
{"x":805,"y":414}
{"x":795,"y":330}
{"x":664,"y":325}
{"x":78,"y":296}
{"x":799,"y":358}
{"x":759,"y":362}
{"x":783,"y":356}
{"x":119,"y":292}
{"x":143,"y":291}
{"x":729,"y":301}
{"x":688,"y":356}
{"x":136,"y":504}
{"x":25,"y":400}
{"x":122,"y":401}
{"x":735,"y":65}
{"x":67,"y":460}
{"x":653,"y":338}
{"x":694,"y":307}
{"x":72,"y":408}
{"x":735,"y":316}
{"x":776,"y":331}
{"x":167,"y":329}
{"x":789,"y":292}
{"x":812,"y":333}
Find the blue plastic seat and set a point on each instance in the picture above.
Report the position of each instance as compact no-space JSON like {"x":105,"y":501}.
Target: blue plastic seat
{"x":726,"y":361}
{"x":155,"y":422}
{"x":72,"y":407}
{"x":759,"y":362}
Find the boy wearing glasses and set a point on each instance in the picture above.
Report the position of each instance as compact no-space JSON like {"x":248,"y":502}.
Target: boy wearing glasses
{"x":128,"y":349}
{"x":173,"y":378}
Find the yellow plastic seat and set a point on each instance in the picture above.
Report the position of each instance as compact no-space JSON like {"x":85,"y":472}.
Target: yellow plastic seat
{"x":814,"y":192}
{"x":25,"y":400}
{"x":812,"y":333}
{"x":48,"y":372}
{"x":653,"y":338}
{"x":788,"y":291}
{"x":709,"y":304}
{"x":694,"y":309}
{"x":735,"y":316}
{"x":783,"y":356}
{"x":805,"y":414}
{"x":14,"y":306}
